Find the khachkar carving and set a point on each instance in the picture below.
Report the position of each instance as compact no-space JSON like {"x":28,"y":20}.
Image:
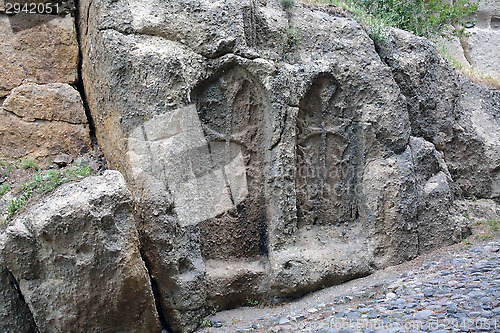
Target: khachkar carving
{"x":322,"y":171}
{"x":231,"y":109}
{"x":210,"y":158}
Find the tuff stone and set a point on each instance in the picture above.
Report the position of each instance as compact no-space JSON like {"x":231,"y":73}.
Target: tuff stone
{"x":75,"y":258}
{"x":37,"y":48}
{"x":263,"y":172}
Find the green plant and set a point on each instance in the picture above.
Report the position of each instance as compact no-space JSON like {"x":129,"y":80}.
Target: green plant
{"x":494,"y":224}
{"x":44,"y":182}
{"x":205,"y":323}
{"x":214,"y":310}
{"x":287,"y":4}
{"x":17,"y":204}
{"x":252,"y":302}
{"x":30,"y":164}
{"x":485,"y":237}
{"x":423,"y":17}
{"x":291,"y":41}
{"x":6,"y":168}
{"x":4,"y":188}
{"x":79,"y":171}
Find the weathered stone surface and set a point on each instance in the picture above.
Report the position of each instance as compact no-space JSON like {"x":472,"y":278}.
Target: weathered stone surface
{"x":42,"y":120}
{"x":76,"y":259}
{"x":37,"y":48}
{"x":260,"y":171}
{"x":14,"y":313}
{"x":457,"y":116}
{"x":51,"y":102}
{"x":482,"y":43}
{"x":40,"y":138}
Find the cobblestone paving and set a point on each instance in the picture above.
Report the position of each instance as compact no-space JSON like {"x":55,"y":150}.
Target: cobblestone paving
{"x":457,"y":292}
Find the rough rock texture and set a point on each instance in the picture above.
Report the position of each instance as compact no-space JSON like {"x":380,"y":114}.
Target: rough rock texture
{"x":76,"y":260}
{"x":483,"y":41}
{"x":51,"y":102}
{"x":42,"y":114}
{"x":266,"y":168}
{"x":42,"y":120}
{"x":37,"y":48}
{"x":14,"y":313}
{"x":460,"y":118}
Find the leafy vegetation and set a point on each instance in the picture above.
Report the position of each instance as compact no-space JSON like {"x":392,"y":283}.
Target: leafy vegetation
{"x":30,"y":164}
{"x":6,"y":168}
{"x":291,"y":41}
{"x":494,"y":224}
{"x":40,"y":183}
{"x":4,"y":188}
{"x":287,"y":4}
{"x":425,"y":18}
{"x":252,"y":302}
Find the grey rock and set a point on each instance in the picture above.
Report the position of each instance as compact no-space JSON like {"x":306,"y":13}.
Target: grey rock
{"x":283,"y":321}
{"x":63,"y":160}
{"x":75,"y":257}
{"x":260,"y":173}
{"x":424,"y":314}
{"x":444,"y":112}
{"x":15,"y":315}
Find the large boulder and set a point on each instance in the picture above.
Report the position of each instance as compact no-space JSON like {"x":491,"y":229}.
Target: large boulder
{"x":41,"y":114}
{"x":459,"y":117}
{"x":74,"y":258}
{"x":269,"y":152}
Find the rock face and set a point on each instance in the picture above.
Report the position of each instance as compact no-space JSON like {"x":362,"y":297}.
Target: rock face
{"x":483,"y":42}
{"x":274,"y":152}
{"x":38,"y":49}
{"x":46,"y":119}
{"x":75,"y":259}
{"x":42,"y":114}
{"x":461,"y":119}
{"x":14,"y":313}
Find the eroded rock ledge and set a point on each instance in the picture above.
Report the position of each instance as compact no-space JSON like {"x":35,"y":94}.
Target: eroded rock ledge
{"x":72,"y":264}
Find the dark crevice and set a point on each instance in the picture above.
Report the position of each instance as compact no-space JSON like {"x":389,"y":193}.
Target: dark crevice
{"x":80,"y":85}
{"x":156,"y":295}
{"x":31,"y":318}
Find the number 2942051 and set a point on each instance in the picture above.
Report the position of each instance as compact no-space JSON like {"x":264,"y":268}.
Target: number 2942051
{"x":12,"y":8}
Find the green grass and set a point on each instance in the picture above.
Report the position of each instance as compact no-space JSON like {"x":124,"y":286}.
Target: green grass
{"x":287,"y":4}
{"x":425,"y":18}
{"x":30,"y":164}
{"x":6,"y":168}
{"x":4,"y":188}
{"x":252,"y":302}
{"x":16,"y":204}
{"x":291,"y":41}
{"x":494,"y":224}
{"x":44,"y":182}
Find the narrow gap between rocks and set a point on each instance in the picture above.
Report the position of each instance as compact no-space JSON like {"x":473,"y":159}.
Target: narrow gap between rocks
{"x":30,"y":318}
{"x":156,"y":295}
{"x":79,"y":85}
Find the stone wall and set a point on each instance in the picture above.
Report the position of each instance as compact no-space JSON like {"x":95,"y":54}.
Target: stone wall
{"x":41,"y":112}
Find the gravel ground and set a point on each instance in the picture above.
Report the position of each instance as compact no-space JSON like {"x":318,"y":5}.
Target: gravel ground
{"x":456,"y":289}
